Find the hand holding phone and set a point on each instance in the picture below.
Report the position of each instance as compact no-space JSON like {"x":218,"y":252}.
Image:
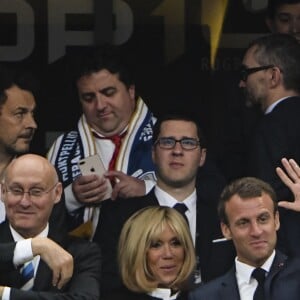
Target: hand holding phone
{"x":93,"y":165}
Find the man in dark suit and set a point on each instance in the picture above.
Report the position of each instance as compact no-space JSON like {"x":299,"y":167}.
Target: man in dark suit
{"x":249,"y":216}
{"x":178,"y":151}
{"x":59,"y":261}
{"x":30,"y":189}
{"x":18,"y":96}
{"x":270,"y":78}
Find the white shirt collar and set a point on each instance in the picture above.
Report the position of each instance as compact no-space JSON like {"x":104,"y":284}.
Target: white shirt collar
{"x":166,"y":199}
{"x":164,"y":294}
{"x":17,"y":237}
{"x":244,"y":271}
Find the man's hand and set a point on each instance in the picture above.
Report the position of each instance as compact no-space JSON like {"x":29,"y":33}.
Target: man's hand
{"x":126,"y":186}
{"x":90,"y":189}
{"x":291,"y":178}
{"x":58,"y":259}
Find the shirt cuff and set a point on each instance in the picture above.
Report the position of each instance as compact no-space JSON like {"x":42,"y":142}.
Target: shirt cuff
{"x":6,"y":293}
{"x":70,"y":200}
{"x":23,"y":252}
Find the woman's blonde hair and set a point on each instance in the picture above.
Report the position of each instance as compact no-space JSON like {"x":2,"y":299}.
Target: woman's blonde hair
{"x":138,"y":233}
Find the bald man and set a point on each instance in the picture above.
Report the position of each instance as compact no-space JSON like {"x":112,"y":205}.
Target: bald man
{"x":30,"y":189}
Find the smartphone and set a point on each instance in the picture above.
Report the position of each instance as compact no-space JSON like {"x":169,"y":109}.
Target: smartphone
{"x":94,"y":165}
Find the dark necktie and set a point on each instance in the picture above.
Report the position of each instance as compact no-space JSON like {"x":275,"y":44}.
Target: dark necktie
{"x":117,"y":140}
{"x":260,"y":275}
{"x":181,"y":207}
{"x":27,"y":272}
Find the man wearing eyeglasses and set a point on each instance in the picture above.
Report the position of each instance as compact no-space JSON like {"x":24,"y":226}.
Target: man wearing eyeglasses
{"x":271,"y":79}
{"x":30,"y":189}
{"x":178,"y":151}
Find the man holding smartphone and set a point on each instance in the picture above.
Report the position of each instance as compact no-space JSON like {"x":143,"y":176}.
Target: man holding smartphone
{"x":116,"y":125}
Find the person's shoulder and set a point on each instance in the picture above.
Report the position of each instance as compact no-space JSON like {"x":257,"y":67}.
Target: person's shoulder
{"x":293,"y":263}
{"x":289,"y":106}
{"x":128,"y":204}
{"x":210,"y":288}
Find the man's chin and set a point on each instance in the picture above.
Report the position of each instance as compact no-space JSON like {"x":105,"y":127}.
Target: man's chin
{"x":22,"y":149}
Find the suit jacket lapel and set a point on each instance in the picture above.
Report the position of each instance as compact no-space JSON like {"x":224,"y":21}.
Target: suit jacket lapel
{"x":229,"y":288}
{"x":13,"y":277}
{"x":277,"y":265}
{"x":150,"y":199}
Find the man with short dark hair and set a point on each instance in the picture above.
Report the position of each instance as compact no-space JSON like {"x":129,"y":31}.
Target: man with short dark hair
{"x":249,"y":216}
{"x":178,"y":152}
{"x":116,"y":125}
{"x":17,"y":124}
{"x":283,"y":16}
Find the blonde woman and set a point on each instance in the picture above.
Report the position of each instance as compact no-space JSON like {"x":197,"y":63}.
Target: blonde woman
{"x":156,"y":256}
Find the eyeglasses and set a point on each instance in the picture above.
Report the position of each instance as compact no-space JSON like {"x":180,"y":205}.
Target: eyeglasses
{"x":245,"y":72}
{"x":33,"y":193}
{"x":169,"y":143}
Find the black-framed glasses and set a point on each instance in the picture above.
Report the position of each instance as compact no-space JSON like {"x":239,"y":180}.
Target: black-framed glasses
{"x":245,"y":72}
{"x":170,"y":142}
{"x":33,"y":193}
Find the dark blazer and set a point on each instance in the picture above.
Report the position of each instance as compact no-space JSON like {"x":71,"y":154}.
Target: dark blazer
{"x":125,"y":294}
{"x":276,"y":136}
{"x":85,"y":280}
{"x":6,"y":256}
{"x":214,"y":258}
{"x":281,"y":282}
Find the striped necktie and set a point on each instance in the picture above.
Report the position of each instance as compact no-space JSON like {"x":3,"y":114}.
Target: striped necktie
{"x":27,"y":272}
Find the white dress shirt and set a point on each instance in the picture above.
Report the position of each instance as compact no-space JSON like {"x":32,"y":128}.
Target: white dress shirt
{"x":164,"y":199}
{"x":246,"y":283}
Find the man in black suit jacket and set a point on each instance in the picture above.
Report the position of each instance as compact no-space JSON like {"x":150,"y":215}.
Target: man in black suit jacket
{"x":59,"y":261}
{"x":249,"y":216}
{"x":270,"y":78}
{"x":30,"y":189}
{"x":178,"y":152}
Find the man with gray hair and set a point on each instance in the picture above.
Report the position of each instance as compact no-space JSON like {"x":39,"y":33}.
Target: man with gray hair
{"x":270,"y":78}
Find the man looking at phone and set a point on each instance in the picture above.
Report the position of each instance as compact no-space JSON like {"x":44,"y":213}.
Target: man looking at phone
{"x":116,"y":125}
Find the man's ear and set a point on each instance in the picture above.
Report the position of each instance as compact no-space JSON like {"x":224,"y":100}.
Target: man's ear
{"x":58,"y":192}
{"x":226,"y":231}
{"x":276,"y":78}
{"x":203,"y":157}
{"x":131,"y":91}
{"x":277,"y":220}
